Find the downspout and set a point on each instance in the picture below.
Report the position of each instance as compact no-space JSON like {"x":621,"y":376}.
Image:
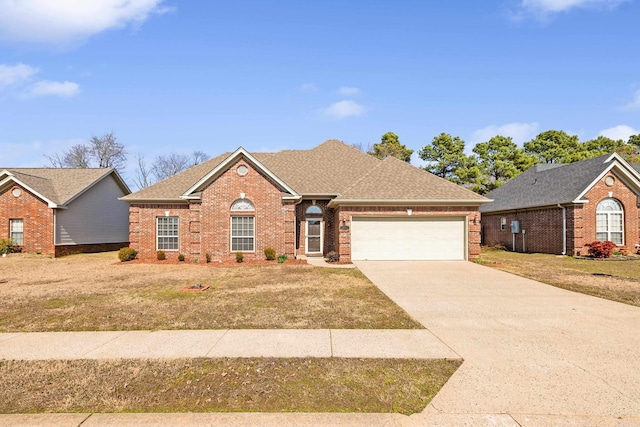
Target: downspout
{"x":564,"y":229}
{"x":295,"y":228}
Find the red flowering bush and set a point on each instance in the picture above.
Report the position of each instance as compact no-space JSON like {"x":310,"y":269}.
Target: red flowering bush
{"x":600,"y":249}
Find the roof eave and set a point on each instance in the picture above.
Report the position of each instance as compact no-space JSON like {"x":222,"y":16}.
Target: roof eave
{"x":154,"y":201}
{"x":406,"y":202}
{"x":10,"y":177}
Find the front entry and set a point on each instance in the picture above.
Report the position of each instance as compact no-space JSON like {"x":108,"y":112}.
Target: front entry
{"x":314,"y":236}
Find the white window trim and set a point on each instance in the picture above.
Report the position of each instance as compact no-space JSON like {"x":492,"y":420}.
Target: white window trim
{"x":608,"y":213}
{"x":11,"y":232}
{"x":158,"y":234}
{"x":231,"y":232}
{"x":306,"y":235}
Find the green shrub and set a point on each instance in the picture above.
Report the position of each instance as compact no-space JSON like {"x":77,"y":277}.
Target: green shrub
{"x":282,"y":258}
{"x":239,"y":257}
{"x":127,"y":254}
{"x":207,"y":257}
{"x":160,"y":255}
{"x":7,"y":247}
{"x":270,"y":253}
{"x":333,"y":256}
{"x":180,"y":257}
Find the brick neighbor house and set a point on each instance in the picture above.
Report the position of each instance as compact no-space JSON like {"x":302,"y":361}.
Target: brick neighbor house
{"x":305,"y":203}
{"x":559,"y":208}
{"x":59,"y":212}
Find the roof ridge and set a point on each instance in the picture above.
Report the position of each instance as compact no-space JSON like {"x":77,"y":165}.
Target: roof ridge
{"x":362,"y":177}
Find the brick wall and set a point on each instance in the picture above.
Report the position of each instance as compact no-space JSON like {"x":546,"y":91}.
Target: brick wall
{"x":37,"y":219}
{"x":344,"y":213}
{"x":63,"y":250}
{"x":544,"y":226}
{"x":205,"y":226}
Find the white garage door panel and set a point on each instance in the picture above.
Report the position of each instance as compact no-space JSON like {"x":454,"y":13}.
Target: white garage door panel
{"x":407,"y":239}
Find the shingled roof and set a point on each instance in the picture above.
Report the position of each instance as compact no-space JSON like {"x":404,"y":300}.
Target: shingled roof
{"x":333,"y":168}
{"x":59,"y":186}
{"x":553,"y":184}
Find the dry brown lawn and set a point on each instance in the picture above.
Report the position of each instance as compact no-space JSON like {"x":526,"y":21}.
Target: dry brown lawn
{"x":617,"y":280}
{"x":207,"y":385}
{"x":96,"y":292}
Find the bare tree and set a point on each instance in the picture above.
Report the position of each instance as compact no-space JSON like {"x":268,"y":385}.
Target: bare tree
{"x":198,"y":157}
{"x":166,"y":166}
{"x":103,"y":152}
{"x":142,"y":176}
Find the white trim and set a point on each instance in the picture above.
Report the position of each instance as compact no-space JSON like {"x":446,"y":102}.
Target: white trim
{"x":11,"y":177}
{"x":158,"y":236}
{"x":240,"y":152}
{"x":608,"y":214}
{"x":621,"y":166}
{"x":306,"y":235}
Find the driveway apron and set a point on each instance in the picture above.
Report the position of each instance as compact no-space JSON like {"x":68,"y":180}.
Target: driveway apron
{"x":529,"y":348}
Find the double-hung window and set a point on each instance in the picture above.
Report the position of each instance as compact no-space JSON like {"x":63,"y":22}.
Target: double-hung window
{"x":16,"y":231}
{"x":610,"y":221}
{"x":167,"y":233}
{"x":242,"y":226}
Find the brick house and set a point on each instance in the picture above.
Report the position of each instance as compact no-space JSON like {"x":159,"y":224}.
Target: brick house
{"x":562,"y":207}
{"x":59,"y":211}
{"x":305,"y":203}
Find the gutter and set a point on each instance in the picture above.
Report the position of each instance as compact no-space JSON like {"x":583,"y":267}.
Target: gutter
{"x":564,"y":229}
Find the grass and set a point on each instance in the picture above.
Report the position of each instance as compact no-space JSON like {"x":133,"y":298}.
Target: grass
{"x":206,"y":385}
{"x":94,"y":292}
{"x":610,"y":279}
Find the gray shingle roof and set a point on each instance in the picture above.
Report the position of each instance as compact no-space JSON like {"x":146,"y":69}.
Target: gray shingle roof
{"x":332,"y":168}
{"x":546,"y":185}
{"x":61,"y":185}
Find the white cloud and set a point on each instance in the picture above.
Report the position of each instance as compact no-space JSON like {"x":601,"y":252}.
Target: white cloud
{"x":47,"y":88}
{"x":520,"y":132}
{"x":622,"y":132}
{"x":343,"y":109}
{"x":15,"y":74}
{"x":349,"y":91}
{"x":62,"y":22}
{"x":544,"y":9}
{"x":634,"y":104}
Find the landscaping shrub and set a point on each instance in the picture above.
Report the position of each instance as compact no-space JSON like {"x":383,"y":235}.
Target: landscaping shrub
{"x":600,"y":249}
{"x":180,"y":257}
{"x":239,"y":257}
{"x":127,"y":254}
{"x":333,"y":256}
{"x":7,"y":247}
{"x":160,"y":255}
{"x":270,"y":253}
{"x":282,"y":258}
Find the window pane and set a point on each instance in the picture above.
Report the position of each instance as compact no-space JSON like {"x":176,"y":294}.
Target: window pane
{"x":242,"y":233}
{"x":16,"y":231}
{"x":167,"y":232}
{"x":616,"y":238}
{"x":601,"y":222}
{"x":601,"y":236}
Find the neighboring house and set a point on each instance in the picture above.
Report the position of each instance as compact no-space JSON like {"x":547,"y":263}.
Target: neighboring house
{"x":306,"y":203}
{"x":560,"y":208}
{"x":59,"y":211}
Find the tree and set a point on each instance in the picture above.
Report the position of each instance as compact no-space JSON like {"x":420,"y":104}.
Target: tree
{"x":500,"y":160}
{"x":165,"y":166}
{"x":553,"y":146}
{"x":389,"y":146}
{"x":142,"y":175}
{"x":102,"y":152}
{"x":635,"y":141}
{"x":445,"y":156}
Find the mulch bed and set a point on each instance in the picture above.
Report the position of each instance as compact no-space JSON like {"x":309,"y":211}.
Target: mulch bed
{"x":229,"y":263}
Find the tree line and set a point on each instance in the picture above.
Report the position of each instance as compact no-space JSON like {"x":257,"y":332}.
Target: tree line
{"x":496,"y":161}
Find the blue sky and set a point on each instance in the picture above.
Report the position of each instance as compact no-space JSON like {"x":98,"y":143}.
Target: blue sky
{"x":177,"y":76}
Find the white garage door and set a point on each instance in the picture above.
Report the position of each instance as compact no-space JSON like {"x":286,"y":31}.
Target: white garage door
{"x":408,"y":239}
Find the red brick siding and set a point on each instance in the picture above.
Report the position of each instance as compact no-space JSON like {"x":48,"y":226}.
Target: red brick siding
{"x":344,"y":214}
{"x":63,"y":250}
{"x":205,"y":227}
{"x":544,"y":226}
{"x":37,"y":219}
{"x":328,"y":217}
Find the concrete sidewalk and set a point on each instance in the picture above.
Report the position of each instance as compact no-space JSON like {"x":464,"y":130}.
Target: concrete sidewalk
{"x":357,"y":343}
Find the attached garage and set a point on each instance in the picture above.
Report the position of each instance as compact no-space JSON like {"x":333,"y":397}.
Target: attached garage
{"x":408,"y":238}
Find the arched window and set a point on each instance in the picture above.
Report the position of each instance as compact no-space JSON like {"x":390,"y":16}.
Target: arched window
{"x":242,"y":226}
{"x":313,"y":210}
{"x":610,"y":221}
{"x":242,"y":205}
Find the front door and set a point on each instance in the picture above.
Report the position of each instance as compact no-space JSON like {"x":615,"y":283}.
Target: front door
{"x":314,"y":236}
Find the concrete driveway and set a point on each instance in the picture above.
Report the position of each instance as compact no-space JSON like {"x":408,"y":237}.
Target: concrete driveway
{"x":534,"y":354}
